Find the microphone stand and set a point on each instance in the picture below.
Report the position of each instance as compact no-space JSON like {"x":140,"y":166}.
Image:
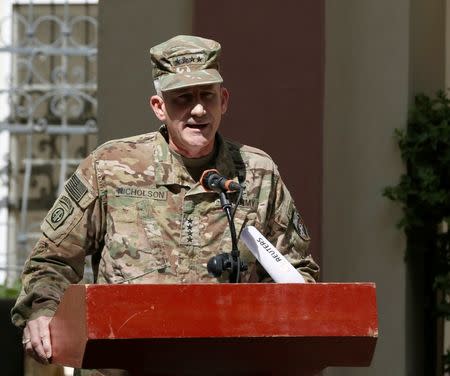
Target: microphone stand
{"x":236,"y":264}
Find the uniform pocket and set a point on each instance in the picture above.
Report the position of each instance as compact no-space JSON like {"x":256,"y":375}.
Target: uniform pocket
{"x":130,"y":235}
{"x":126,"y":213}
{"x":155,"y":244}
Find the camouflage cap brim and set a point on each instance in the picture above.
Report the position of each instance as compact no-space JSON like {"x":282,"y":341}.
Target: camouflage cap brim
{"x":186,"y":79}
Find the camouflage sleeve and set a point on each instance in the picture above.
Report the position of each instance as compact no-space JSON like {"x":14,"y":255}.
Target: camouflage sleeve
{"x":71,"y":230}
{"x":287,"y":232}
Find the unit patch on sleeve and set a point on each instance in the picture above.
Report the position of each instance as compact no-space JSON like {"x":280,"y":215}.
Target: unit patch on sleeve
{"x":300,"y":226}
{"x":76,"y":188}
{"x":59,"y":213}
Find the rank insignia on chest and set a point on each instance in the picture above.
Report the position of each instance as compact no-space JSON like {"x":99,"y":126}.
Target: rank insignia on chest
{"x":190,"y":230}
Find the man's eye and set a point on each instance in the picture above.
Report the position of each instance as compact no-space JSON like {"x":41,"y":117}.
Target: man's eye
{"x":185,"y":98}
{"x":208,"y":95}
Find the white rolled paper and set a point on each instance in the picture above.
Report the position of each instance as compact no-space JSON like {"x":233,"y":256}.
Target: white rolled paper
{"x":269,"y":257}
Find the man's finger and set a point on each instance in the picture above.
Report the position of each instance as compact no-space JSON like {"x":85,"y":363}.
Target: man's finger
{"x":44,"y":330}
{"x":36,"y":342}
{"x":30,"y":352}
{"x":46,"y":344}
{"x":25,"y":341}
{"x":26,"y":336}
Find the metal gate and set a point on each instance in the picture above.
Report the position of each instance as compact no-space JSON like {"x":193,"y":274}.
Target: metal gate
{"x":48,"y":109}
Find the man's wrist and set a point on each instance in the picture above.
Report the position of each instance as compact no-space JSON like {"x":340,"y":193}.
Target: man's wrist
{"x":48,"y":312}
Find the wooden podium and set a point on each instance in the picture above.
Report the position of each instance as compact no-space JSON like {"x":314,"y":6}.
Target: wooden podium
{"x":216,"y":329}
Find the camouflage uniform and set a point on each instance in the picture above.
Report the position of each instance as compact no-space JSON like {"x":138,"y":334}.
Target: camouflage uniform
{"x":134,"y":207}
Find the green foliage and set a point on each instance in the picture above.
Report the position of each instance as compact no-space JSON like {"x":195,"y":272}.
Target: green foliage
{"x":424,"y":193}
{"x":10,"y":291}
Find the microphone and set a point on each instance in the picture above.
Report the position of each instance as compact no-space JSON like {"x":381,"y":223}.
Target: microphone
{"x":211,"y":180}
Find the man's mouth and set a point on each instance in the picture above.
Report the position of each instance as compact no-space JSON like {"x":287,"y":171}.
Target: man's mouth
{"x":197,"y":125}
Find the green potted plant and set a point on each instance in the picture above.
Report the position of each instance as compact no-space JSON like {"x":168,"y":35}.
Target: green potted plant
{"x":424,"y":193}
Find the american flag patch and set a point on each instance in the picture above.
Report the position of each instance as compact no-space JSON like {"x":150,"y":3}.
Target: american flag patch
{"x":76,"y":188}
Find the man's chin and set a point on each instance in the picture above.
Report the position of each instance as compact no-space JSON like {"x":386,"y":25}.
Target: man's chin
{"x":198,"y":139}
{"x":198,"y":147}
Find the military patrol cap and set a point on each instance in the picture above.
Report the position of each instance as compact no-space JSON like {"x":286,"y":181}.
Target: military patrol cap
{"x":185,"y":61}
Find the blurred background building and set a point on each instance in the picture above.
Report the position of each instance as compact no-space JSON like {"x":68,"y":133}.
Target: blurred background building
{"x":48,"y":117}
{"x":48,"y":78}
{"x":318,"y":84}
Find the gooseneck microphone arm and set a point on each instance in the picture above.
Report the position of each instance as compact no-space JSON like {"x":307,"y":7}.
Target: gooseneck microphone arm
{"x":213,"y":181}
{"x":235,"y":272}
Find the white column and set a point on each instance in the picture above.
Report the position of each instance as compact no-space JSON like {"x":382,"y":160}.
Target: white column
{"x":366,"y":98}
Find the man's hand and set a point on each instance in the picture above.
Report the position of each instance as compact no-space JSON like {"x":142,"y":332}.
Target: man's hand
{"x":36,"y":339}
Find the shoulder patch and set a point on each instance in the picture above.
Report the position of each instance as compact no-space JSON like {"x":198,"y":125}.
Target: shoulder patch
{"x":62,"y":209}
{"x":76,"y":188}
{"x":299,"y":226}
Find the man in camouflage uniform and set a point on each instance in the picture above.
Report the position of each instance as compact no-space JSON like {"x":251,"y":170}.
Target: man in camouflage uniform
{"x":136,"y":205}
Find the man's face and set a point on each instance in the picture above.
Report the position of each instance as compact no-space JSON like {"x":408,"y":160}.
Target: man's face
{"x":192,"y":116}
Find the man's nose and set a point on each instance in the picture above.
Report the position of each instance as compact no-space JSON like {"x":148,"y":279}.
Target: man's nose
{"x":198,"y":110}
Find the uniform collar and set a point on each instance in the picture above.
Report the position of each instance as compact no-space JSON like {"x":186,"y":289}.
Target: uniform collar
{"x":169,"y":170}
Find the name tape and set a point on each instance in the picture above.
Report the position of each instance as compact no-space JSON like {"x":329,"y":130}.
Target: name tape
{"x":154,"y":194}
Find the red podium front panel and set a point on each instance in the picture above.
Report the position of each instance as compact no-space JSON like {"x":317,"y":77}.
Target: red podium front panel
{"x":215,"y":329}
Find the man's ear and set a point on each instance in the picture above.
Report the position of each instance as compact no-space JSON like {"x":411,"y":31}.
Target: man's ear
{"x":224,"y":98}
{"x":157,"y":105}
